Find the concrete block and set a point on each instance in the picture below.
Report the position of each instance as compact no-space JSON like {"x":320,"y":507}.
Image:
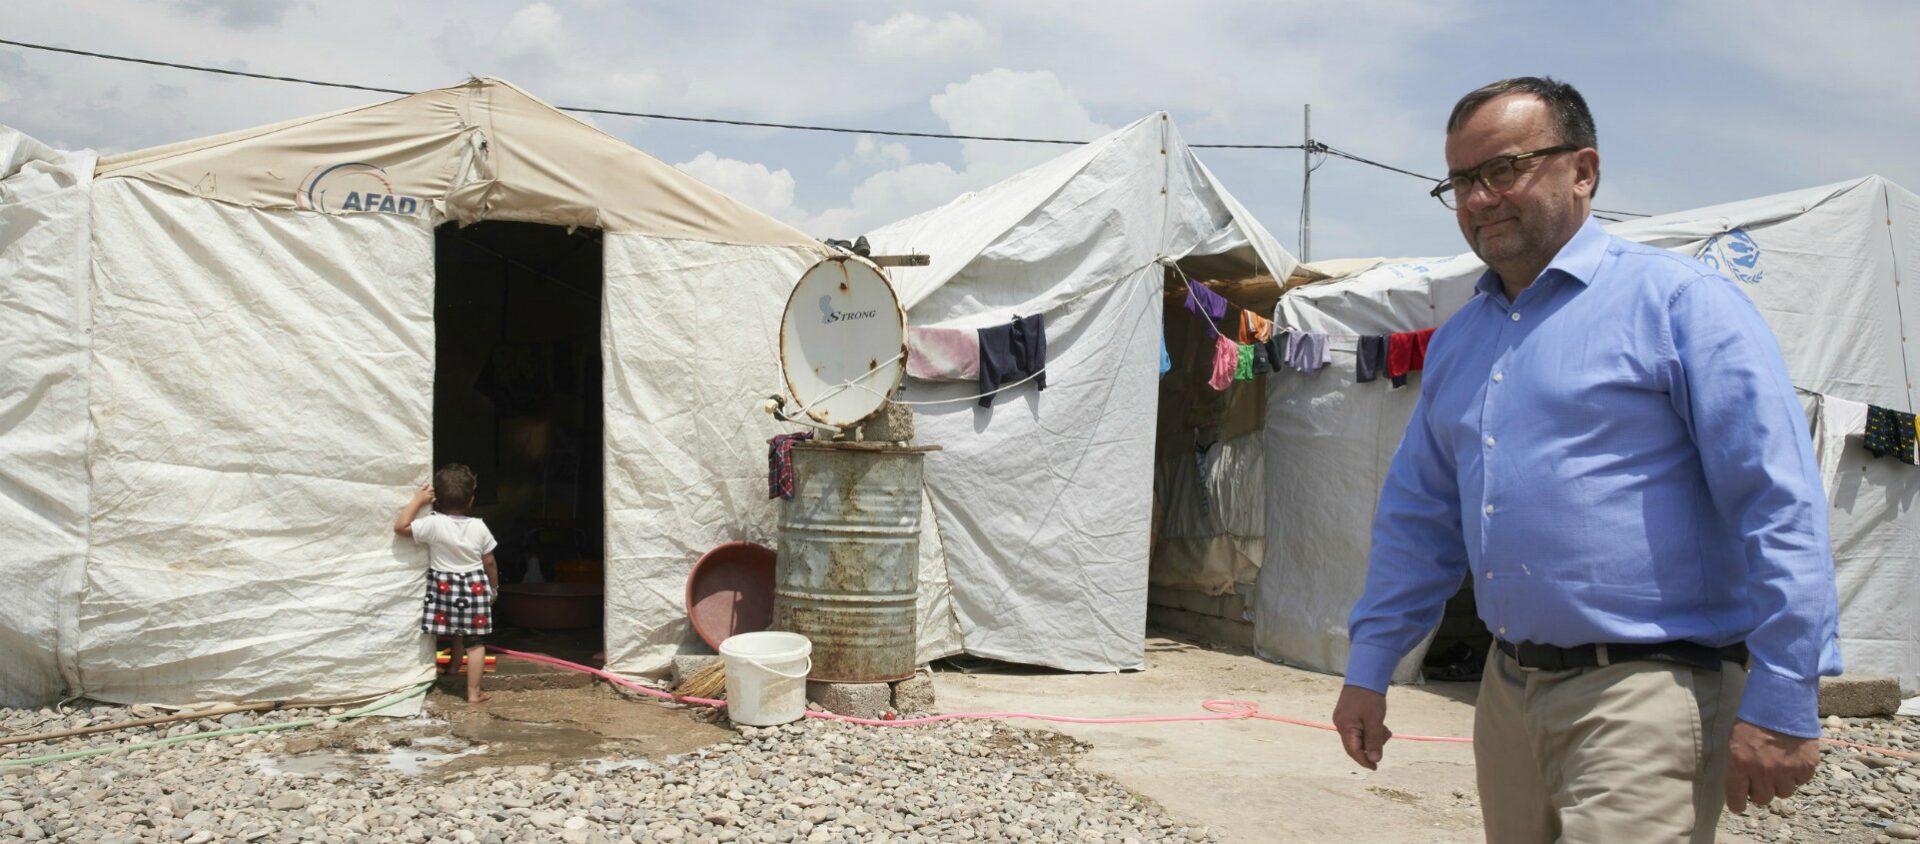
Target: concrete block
{"x":914,"y":696}
{"x":1859,"y":696}
{"x":860,"y":700}
{"x":686,"y":665}
{"x":894,"y":423}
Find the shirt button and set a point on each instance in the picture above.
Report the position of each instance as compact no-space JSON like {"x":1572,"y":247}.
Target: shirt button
{"x":1489,"y":575}
{"x":1515,"y":316}
{"x":1489,"y":441}
{"x":1489,"y":509}
{"x":1499,"y":377}
{"x":1503,"y":631}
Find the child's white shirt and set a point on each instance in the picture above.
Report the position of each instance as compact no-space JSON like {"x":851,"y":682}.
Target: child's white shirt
{"x":455,"y":544}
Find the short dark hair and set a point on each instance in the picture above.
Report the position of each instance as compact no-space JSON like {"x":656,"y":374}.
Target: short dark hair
{"x":454,"y":484}
{"x":1571,"y":119}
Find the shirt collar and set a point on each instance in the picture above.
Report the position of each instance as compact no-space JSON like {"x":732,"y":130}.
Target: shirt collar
{"x":1579,"y":259}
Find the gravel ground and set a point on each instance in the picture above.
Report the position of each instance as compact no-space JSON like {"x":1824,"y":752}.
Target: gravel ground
{"x":811,"y":781}
{"x":1856,"y":796}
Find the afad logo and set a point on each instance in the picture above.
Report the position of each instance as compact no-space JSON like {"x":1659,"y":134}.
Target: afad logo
{"x":1734,"y":254}
{"x":353,"y":187}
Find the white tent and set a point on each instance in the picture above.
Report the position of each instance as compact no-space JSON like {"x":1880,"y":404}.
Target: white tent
{"x":1043,"y":502}
{"x":207,"y":420}
{"x":1832,"y":269}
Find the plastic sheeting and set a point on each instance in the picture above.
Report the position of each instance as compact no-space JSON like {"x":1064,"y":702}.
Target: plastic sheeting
{"x":44,"y":219}
{"x":1830,"y":268}
{"x":1044,"y":501}
{"x":691,"y":343}
{"x":262,"y":400}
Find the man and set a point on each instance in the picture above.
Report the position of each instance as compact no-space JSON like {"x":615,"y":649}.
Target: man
{"x":1606,"y":440}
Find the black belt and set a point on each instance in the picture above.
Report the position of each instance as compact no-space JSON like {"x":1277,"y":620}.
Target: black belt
{"x":1549,"y":658}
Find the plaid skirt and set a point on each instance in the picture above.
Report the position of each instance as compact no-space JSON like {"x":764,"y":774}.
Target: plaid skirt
{"x":458,"y":604}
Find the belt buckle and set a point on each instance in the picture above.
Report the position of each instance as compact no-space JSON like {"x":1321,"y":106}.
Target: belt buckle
{"x":1519,"y":659}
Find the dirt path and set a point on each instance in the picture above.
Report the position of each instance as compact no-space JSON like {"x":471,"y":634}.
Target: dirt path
{"x":1254,"y":781}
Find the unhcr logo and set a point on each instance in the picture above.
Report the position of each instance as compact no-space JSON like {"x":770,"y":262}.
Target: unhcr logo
{"x":355,"y":186}
{"x":1734,"y":254}
{"x":829,"y":316}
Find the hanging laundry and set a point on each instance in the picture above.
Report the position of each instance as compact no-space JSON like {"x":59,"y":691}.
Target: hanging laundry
{"x":1011,"y":353}
{"x":1243,"y":369}
{"x":1226,"y":360}
{"x":1166,"y":360}
{"x":1834,"y":420}
{"x":1268,"y":355}
{"x":943,"y":354}
{"x":1890,"y":432}
{"x":1407,"y":352}
{"x":780,"y":463}
{"x":1370,"y":356}
{"x":1254,"y":328}
{"x":1205,"y":302}
{"x":1308,"y":351}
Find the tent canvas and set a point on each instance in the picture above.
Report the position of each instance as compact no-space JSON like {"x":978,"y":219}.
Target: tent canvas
{"x":1826,"y":268}
{"x":1042,"y":503}
{"x":208,"y":472}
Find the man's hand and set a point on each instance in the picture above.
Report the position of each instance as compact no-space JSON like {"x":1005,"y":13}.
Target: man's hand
{"x":1361,"y":717}
{"x":1763,"y":764}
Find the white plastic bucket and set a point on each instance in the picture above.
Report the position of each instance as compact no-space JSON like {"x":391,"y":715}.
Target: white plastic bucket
{"x":767,"y":677}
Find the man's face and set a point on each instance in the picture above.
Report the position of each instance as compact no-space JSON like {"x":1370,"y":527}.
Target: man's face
{"x":1526,"y":224}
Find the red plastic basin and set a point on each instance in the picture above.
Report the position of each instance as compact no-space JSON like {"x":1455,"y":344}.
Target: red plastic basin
{"x":730,"y":591}
{"x":552,"y":606}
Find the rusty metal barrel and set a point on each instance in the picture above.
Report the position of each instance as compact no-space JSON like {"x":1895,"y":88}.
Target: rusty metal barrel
{"x":848,"y":568}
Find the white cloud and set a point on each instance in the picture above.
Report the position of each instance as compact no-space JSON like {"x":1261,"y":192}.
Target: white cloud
{"x":870,"y":150}
{"x":909,"y":36}
{"x":242,"y":14}
{"x":767,"y":191}
{"x":534,"y":36}
{"x":1010,"y":103}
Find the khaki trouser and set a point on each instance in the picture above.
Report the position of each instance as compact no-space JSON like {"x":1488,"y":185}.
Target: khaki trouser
{"x":1631,"y":752}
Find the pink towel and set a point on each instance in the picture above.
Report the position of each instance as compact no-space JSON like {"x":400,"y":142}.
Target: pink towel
{"x":1226,"y":359}
{"x":943,"y":354}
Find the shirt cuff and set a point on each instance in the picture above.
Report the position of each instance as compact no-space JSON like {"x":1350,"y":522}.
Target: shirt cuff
{"x":1371,"y":666}
{"x":1781,"y":704}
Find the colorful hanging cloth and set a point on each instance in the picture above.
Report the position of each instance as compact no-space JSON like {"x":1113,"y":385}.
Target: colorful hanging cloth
{"x":780,"y":463}
{"x":1890,"y":432}
{"x":1254,"y":328}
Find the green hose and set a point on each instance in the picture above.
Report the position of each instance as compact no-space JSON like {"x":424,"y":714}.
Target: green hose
{"x":362,"y":712}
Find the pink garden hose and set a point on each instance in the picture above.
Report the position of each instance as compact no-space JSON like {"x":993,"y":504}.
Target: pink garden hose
{"x":1222,"y":710}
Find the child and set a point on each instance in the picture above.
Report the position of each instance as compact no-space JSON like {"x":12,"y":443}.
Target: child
{"x":461,"y":575}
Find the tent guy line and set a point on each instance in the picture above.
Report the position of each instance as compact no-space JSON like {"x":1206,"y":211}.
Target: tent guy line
{"x":896,"y":133}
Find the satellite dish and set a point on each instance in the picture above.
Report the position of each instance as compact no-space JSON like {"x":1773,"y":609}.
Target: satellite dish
{"x":843,"y":323}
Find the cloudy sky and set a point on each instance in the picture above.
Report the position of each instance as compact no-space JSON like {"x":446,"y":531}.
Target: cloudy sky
{"x":1698,"y":103}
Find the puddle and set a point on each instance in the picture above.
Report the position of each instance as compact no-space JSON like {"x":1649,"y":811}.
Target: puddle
{"x":608,"y":766}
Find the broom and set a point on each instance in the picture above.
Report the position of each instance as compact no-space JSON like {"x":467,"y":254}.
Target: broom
{"x":709,"y":682}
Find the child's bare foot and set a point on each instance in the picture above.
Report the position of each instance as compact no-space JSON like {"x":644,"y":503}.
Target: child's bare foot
{"x":483,"y":698}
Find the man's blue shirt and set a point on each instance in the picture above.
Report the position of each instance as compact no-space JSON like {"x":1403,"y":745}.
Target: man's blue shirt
{"x":1617,"y":455}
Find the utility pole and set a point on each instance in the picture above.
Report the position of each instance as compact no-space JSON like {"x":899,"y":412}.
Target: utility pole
{"x":1306,"y":187}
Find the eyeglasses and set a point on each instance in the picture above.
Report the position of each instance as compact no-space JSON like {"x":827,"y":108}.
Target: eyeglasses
{"x":1497,"y":173}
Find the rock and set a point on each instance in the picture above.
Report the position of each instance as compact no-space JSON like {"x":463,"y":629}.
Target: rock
{"x":1859,"y":696}
{"x":914,"y":695}
{"x":667,"y":833}
{"x":575,"y":822}
{"x":860,"y":700}
{"x":288,"y":802}
{"x":1903,"y":832}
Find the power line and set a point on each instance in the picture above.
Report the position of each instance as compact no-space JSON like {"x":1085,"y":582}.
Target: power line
{"x":895,"y":133}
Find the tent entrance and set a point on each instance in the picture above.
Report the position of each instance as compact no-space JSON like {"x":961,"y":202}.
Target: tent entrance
{"x":517,"y":396}
{"x":1209,"y":515}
